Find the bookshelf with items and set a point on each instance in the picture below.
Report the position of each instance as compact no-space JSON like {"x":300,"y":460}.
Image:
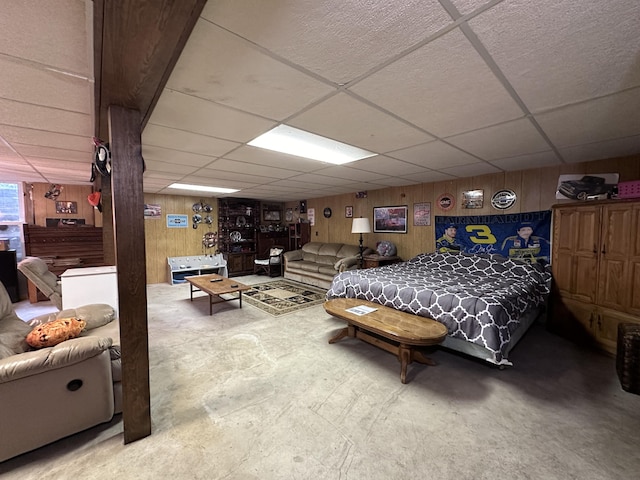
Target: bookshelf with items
{"x":238,"y":220}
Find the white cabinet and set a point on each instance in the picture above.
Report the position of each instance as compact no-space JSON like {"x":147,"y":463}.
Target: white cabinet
{"x":82,"y":286}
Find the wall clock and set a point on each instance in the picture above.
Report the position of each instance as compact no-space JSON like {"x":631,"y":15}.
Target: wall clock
{"x":327,"y":212}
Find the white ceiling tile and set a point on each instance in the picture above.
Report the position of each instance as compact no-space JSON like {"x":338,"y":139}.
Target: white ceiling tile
{"x":596,"y":120}
{"x":215,"y":182}
{"x":154,"y":166}
{"x":50,"y":33}
{"x":295,"y":184}
{"x":255,"y":169}
{"x":387,"y":166}
{"x":257,"y":84}
{"x":335,"y":39}
{"x":446,"y":88}
{"x":151,"y":153}
{"x":29,"y":136}
{"x":241,"y":176}
{"x":50,"y":165}
{"x":525,"y":162}
{"x":395,"y":181}
{"x":430,"y":177}
{"x":434,"y":155}
{"x":24,"y":83}
{"x":472,"y":170}
{"x":177,"y":110}
{"x":322,"y":179}
{"x":468,"y":6}
{"x":509,"y":139}
{"x":555,"y":53}
{"x":177,"y":139}
{"x":274,"y":159}
{"x":619,"y":147}
{"x":44,"y":118}
{"x":53,"y":153}
{"x":342,"y":171}
{"x":351,"y":121}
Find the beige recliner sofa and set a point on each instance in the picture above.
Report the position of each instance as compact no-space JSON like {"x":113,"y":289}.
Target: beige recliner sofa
{"x":53,"y":392}
{"x":317,"y":263}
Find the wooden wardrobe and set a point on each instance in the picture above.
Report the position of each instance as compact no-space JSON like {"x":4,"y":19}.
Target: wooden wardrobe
{"x":596,"y":270}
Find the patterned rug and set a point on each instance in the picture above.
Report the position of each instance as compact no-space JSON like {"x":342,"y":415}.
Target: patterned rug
{"x":283,"y":296}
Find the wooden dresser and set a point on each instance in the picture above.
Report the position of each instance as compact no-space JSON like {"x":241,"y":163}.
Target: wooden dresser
{"x":596,"y":270}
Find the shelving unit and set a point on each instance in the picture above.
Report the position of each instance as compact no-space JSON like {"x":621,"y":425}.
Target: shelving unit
{"x":299,"y":234}
{"x":238,"y":220}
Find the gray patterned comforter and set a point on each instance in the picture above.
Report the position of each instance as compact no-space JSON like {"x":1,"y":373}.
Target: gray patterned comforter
{"x":480,"y":298}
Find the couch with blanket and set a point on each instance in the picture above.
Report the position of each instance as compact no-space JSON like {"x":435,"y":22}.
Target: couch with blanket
{"x":317,"y":263}
{"x":51,"y":392}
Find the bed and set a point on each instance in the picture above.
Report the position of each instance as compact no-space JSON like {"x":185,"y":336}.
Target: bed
{"x":486,"y":302}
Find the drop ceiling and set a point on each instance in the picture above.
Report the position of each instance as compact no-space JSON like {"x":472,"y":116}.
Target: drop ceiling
{"x":438,"y":89}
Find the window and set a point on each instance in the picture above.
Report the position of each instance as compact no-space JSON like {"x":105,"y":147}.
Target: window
{"x":12,"y":216}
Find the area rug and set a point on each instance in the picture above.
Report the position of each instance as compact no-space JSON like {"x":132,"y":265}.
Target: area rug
{"x":283,"y":296}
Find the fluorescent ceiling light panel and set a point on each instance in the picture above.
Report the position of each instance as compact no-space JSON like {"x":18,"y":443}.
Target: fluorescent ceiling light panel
{"x":297,"y":142}
{"x":202,"y":188}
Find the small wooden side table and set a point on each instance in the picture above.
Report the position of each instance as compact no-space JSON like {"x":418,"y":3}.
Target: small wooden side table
{"x":373,"y":261}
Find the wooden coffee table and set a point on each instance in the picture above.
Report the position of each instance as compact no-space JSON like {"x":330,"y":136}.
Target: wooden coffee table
{"x":392,"y":330}
{"x":215,"y":285}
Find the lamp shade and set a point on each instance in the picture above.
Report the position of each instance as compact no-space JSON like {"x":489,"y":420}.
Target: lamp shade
{"x":361,"y":225}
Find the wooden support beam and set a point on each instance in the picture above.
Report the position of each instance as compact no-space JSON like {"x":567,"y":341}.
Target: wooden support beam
{"x":128,"y":205}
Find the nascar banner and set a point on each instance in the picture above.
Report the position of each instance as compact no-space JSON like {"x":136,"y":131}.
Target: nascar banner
{"x":520,"y":236}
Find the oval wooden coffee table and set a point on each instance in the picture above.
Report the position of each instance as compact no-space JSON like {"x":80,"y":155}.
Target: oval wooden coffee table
{"x":392,"y":330}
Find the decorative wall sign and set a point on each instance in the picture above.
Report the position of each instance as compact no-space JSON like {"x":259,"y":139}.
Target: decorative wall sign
{"x":446,"y":201}
{"x":152,"y":210}
{"x":422,"y":214}
{"x":311,"y":216}
{"x":67,"y":207}
{"x":327,"y":212}
{"x":348,"y":211}
{"x":361,"y":195}
{"x":288,"y":215}
{"x":177,"y":221}
{"x":473,"y":199}
{"x":390,"y":219}
{"x":503,"y":199}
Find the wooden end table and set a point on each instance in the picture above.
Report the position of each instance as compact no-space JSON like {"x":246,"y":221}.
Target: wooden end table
{"x":215,"y":285}
{"x":392,"y":330}
{"x":374,"y":261}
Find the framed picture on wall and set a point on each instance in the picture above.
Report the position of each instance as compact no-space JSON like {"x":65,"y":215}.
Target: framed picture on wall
{"x":348,"y":212}
{"x":390,"y":219}
{"x":67,"y":207}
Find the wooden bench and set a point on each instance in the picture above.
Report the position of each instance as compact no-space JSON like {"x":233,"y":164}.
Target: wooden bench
{"x":392,"y":330}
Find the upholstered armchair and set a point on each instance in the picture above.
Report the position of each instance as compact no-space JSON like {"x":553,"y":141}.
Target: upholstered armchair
{"x":52,"y":392}
{"x":37,"y":271}
{"x":272,"y":264}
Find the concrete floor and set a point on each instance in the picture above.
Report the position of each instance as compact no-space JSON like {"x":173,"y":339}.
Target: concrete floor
{"x":243,"y":395}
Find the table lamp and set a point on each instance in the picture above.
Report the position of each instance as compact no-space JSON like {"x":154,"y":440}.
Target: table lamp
{"x":360,"y":225}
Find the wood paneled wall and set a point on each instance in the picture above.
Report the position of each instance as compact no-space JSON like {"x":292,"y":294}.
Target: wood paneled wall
{"x":535,"y":188}
{"x":163,"y":242}
{"x":39,"y":208}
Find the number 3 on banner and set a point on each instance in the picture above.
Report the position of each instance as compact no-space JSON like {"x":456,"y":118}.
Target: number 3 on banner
{"x":482,"y":234}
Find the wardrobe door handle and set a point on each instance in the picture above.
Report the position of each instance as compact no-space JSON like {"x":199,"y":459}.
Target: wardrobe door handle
{"x":604,"y":249}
